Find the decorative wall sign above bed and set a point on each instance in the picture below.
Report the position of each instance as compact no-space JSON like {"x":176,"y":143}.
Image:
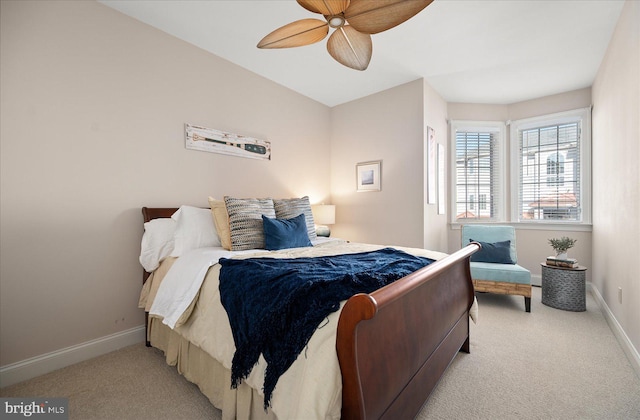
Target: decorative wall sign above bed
{"x":215,"y":141}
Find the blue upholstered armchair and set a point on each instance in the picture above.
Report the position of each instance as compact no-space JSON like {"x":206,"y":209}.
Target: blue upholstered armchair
{"x":494,"y":268}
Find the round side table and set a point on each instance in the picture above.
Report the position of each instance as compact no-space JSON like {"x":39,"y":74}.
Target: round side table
{"x":564,"y":288}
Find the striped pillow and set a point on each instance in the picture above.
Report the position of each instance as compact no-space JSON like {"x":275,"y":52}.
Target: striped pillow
{"x":288,"y":208}
{"x":245,"y":221}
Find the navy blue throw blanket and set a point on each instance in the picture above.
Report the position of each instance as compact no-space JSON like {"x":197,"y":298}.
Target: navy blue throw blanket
{"x":275,"y":305}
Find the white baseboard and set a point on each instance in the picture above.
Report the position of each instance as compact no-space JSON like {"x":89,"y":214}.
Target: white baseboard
{"x":623,"y":339}
{"x":39,"y":365}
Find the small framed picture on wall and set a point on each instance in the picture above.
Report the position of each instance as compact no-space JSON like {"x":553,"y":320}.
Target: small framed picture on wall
{"x":431,"y":166}
{"x":368,"y":176}
{"x":442,"y":209}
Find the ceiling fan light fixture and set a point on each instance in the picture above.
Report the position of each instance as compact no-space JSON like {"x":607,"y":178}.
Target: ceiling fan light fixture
{"x":336,"y":21}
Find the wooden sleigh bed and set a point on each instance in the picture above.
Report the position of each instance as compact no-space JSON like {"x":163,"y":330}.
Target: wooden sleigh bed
{"x":394,"y":344}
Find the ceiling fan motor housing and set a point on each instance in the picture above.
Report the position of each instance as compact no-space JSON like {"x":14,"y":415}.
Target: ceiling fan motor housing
{"x":336,"y":21}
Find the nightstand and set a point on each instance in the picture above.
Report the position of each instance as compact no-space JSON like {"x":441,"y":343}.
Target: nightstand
{"x":564,"y":288}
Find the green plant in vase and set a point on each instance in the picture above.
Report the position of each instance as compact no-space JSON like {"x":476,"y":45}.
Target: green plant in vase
{"x":562,"y":245}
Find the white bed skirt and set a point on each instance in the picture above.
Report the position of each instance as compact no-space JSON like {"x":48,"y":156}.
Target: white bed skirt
{"x":213,"y":379}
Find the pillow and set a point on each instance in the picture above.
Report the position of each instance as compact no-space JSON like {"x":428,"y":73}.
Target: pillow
{"x":285,"y":233}
{"x":497,"y":252}
{"x":157,"y":242}
{"x":291,"y":207}
{"x":245,"y":221}
{"x":221,"y":221}
{"x":194,"y":229}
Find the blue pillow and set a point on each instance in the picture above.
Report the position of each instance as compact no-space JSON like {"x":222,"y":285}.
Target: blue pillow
{"x":497,"y":252}
{"x":285,"y":233}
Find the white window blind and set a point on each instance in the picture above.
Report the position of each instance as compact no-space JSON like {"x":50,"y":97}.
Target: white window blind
{"x":478,"y":173}
{"x":551,"y":185}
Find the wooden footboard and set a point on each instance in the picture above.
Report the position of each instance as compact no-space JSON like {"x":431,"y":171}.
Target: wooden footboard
{"x":394,"y":344}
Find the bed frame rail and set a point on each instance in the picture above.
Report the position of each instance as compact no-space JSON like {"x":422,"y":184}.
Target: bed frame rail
{"x":394,"y":344}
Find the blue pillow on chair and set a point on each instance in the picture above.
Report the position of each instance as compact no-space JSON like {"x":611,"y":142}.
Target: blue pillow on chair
{"x":285,"y":233}
{"x":497,"y":252}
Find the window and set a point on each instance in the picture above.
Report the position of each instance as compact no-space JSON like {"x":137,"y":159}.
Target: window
{"x":478,"y":171}
{"x":550,"y":174}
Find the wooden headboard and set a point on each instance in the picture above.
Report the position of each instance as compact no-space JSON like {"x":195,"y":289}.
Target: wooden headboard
{"x":150,"y":213}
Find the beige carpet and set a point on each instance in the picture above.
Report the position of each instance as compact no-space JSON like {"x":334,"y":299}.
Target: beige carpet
{"x":548,"y":364}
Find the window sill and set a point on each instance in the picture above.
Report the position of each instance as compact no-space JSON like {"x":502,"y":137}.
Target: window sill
{"x":560,"y":227}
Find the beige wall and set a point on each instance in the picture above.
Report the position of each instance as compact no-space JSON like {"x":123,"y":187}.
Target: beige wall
{"x":436,"y":226}
{"x":616,"y":174}
{"x":385,"y":126}
{"x":388,"y":126}
{"x":532,"y":244}
{"x":93,"y":105}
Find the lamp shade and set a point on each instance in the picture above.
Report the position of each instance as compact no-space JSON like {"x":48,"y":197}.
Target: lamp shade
{"x":324,"y":214}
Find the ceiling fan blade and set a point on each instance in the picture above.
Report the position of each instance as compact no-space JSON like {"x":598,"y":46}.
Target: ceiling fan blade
{"x":325,"y":7}
{"x":372,"y":17}
{"x":296,"y":34}
{"x":350,"y":47}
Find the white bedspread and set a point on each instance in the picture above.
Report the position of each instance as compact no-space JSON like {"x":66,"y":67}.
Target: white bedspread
{"x":312,"y":387}
{"x":183,"y":281}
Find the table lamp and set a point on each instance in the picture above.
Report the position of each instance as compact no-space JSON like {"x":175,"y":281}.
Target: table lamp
{"x":323,"y":215}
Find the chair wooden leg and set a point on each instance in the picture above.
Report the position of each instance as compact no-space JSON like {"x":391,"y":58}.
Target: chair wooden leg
{"x":527,"y":304}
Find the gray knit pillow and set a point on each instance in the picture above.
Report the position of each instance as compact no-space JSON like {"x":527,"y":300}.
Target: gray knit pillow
{"x":245,"y":221}
{"x":288,"y":208}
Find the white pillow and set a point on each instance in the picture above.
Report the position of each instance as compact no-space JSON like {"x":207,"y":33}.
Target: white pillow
{"x":157,"y":242}
{"x":195,"y":229}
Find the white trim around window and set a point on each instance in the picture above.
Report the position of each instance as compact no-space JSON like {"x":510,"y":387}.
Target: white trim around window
{"x":581,"y":117}
{"x":493,"y":202}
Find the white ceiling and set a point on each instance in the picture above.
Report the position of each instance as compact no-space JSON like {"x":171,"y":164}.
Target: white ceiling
{"x":474,"y":51}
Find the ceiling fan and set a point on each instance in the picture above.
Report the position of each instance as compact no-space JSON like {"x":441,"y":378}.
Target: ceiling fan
{"x":353,"y":20}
